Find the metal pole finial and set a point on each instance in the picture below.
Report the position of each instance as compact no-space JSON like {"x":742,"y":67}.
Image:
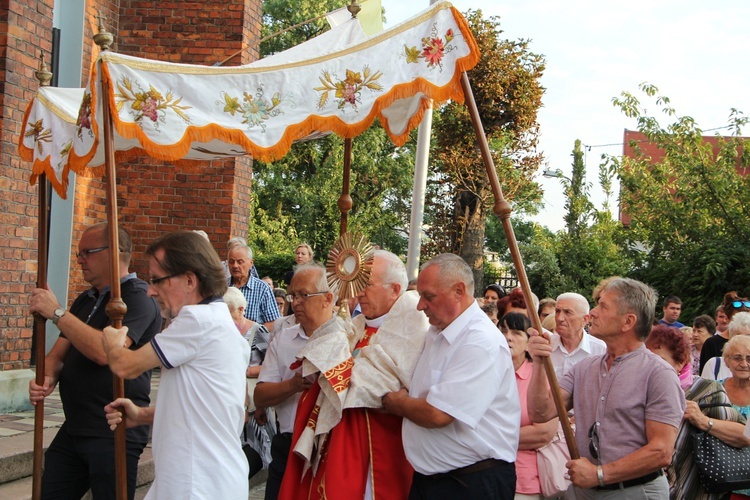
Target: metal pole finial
{"x":104,"y":39}
{"x":354,"y":8}
{"x":43,"y":74}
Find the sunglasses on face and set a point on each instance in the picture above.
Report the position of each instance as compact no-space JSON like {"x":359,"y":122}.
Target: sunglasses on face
{"x":741,"y":303}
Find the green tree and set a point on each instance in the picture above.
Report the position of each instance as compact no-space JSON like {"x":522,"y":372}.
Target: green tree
{"x":588,"y":253}
{"x":689,"y":210}
{"x":507,"y":89}
{"x":578,"y":206}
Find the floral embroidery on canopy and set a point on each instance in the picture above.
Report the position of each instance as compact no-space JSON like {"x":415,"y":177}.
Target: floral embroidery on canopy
{"x":433,"y":49}
{"x":84,"y":116}
{"x":348,"y":90}
{"x":64,"y":153}
{"x":256,"y":109}
{"x":40,"y":134}
{"x":151,"y":104}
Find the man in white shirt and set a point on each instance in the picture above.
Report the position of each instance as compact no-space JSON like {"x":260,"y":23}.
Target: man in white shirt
{"x":278,"y":384}
{"x":571,"y":343}
{"x":462,"y":413}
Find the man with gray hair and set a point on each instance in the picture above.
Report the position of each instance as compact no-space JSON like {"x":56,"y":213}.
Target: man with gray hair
{"x":363,"y":455}
{"x":628,"y":401}
{"x":570,"y":342}
{"x":462,"y":413}
{"x":279,"y":385}
{"x":261,"y":304}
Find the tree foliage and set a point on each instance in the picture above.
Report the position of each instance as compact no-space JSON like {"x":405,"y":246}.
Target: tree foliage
{"x":577,"y":259}
{"x":689,"y":210}
{"x":578,"y":206}
{"x":507,"y":89}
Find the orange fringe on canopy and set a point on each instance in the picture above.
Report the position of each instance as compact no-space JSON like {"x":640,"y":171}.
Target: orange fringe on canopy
{"x":314,"y":123}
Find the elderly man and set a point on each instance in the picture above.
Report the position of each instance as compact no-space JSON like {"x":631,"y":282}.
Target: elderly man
{"x":81,"y":456}
{"x":278,"y":384}
{"x":462,"y":414}
{"x":570,"y":342}
{"x":261,"y":304}
{"x":199,"y":412}
{"x":364,"y":455}
{"x":628,"y":401}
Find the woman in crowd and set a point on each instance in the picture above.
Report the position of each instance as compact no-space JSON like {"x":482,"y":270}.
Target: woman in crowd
{"x":546,"y":308}
{"x":513,"y":302}
{"x":704,"y":328}
{"x":737,"y":357}
{"x":490,"y":309}
{"x":493,"y":293}
{"x":716,"y":368}
{"x":549,"y":323}
{"x":733,"y":304}
{"x":533,"y":436}
{"x":704,"y":410}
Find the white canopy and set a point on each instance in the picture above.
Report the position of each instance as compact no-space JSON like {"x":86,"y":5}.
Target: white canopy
{"x":181,"y":111}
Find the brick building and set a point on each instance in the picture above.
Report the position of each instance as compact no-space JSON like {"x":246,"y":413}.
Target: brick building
{"x":153,"y":197}
{"x":634,"y":141}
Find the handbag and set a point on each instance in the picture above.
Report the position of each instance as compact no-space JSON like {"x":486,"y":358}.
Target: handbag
{"x":721,"y":467}
{"x":551,"y":459}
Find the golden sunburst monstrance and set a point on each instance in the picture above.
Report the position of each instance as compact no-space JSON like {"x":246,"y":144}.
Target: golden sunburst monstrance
{"x":349,"y":265}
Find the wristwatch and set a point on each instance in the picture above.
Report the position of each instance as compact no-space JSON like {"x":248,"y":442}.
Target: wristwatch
{"x":710,"y":425}
{"x":59,"y":313}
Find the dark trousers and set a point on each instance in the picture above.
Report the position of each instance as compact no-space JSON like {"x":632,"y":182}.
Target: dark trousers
{"x":497,"y":483}
{"x":280,"y":445}
{"x":74,"y":464}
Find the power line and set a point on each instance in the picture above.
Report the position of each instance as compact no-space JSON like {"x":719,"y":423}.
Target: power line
{"x":588,"y":147}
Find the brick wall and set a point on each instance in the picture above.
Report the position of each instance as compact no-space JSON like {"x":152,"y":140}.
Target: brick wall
{"x":24,"y":25}
{"x":153,"y":196}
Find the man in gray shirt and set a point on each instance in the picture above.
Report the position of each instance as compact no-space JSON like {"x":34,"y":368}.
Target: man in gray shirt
{"x":628,"y":401}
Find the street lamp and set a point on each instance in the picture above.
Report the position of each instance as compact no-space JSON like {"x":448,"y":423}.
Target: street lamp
{"x":554,"y":174}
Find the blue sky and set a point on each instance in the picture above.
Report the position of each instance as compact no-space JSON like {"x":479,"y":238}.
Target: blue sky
{"x":695,"y":52}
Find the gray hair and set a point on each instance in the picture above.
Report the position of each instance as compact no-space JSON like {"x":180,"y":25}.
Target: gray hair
{"x":637,"y":298}
{"x":234,"y":299}
{"x":582,"y":305}
{"x":241,"y":246}
{"x":236,"y":241}
{"x":740,"y":324}
{"x":452,"y":270}
{"x":321,"y":283}
{"x":733,"y":345}
{"x":395,"y":271}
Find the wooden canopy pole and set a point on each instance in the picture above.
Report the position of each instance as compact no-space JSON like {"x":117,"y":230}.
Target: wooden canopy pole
{"x":502,"y":210}
{"x":345,"y":200}
{"x":116,"y":308}
{"x":40,"y":334}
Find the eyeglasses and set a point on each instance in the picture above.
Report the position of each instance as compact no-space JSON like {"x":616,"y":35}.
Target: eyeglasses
{"x":156,"y":281}
{"x":290,"y":297}
{"x":594,"y":442}
{"x":740,"y":303}
{"x":739,"y":358}
{"x":84,"y":254}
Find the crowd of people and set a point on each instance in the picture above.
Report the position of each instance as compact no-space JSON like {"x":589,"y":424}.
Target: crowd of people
{"x":409,"y":390}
